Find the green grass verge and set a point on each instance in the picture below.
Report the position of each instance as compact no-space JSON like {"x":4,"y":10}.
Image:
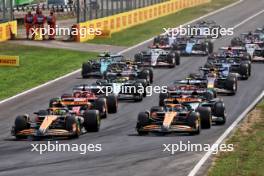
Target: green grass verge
{"x":37,"y":65}
{"x":145,"y":31}
{"x":248,"y":156}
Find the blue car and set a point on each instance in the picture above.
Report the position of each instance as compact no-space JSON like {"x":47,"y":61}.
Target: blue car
{"x":194,"y":46}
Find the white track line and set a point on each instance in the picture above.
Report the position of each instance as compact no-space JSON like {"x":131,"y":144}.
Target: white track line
{"x":249,"y":18}
{"x":228,"y":130}
{"x":121,"y":52}
{"x":224,"y":135}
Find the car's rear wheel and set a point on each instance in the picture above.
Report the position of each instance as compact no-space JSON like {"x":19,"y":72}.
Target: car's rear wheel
{"x":112,"y":104}
{"x":220,"y":111}
{"x":91,"y":120}
{"x":72,"y":125}
{"x":171,"y":61}
{"x":244,"y":71}
{"x":195,"y":123}
{"x":231,"y":84}
{"x":177,"y":58}
{"x":100,"y":105}
{"x":86,"y":68}
{"x":205,"y":116}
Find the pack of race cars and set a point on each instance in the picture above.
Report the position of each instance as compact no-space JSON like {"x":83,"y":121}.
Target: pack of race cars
{"x":189,"y":105}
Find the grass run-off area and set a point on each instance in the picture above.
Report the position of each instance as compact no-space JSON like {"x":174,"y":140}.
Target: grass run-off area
{"x":139,"y":33}
{"x":37,"y":66}
{"x":248,"y":156}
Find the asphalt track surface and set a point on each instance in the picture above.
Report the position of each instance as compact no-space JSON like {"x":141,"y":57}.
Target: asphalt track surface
{"x":125,"y":153}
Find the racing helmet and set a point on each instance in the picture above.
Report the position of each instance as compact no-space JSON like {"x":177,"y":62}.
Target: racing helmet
{"x":59,"y":112}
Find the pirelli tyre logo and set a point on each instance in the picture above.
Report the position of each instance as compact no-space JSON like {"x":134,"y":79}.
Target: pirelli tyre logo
{"x":9,"y":61}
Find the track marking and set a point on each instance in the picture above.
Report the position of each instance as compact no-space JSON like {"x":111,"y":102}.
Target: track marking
{"x":197,"y":167}
{"x":246,"y":20}
{"x":121,"y":52}
{"x":249,"y":18}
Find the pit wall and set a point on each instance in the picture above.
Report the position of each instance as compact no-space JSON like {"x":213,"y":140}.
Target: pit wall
{"x":7,"y":30}
{"x":119,"y":22}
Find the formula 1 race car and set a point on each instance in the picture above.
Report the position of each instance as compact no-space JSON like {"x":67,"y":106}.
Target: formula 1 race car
{"x":79,"y":105}
{"x":55,"y":122}
{"x":196,"y":100}
{"x":173,"y":118}
{"x":248,"y":38}
{"x":207,"y":28}
{"x":185,"y":87}
{"x":230,"y":64}
{"x":123,"y":87}
{"x":90,"y":95}
{"x":194,"y":46}
{"x":130,"y":70}
{"x":157,"y":57}
{"x":214,"y":78}
{"x":165,"y":42}
{"x":98,"y":66}
{"x":256,"y":53}
{"x":233,"y":51}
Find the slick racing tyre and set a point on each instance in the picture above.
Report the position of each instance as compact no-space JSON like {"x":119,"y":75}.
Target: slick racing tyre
{"x":143,"y":120}
{"x":91,"y":120}
{"x":195,"y":123}
{"x":219,"y":111}
{"x":86,"y":68}
{"x":177,"y":58}
{"x":72,"y":125}
{"x":112,"y":103}
{"x":231,"y":84}
{"x":244,"y":71}
{"x":21,"y":123}
{"x":100,"y":105}
{"x":171,"y":60}
{"x":145,"y":74}
{"x":206,"y":117}
{"x":144,"y":83}
{"x":138,"y":95}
